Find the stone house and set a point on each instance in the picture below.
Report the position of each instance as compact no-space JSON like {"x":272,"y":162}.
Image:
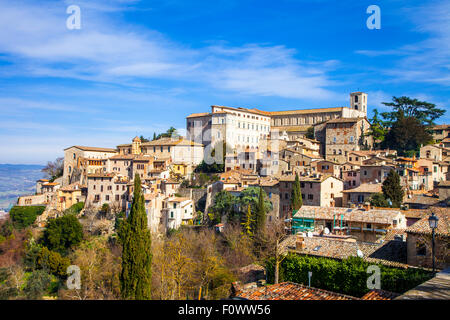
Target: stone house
{"x":177,"y":212}
{"x":76,"y":158}
{"x":374,"y":173}
{"x":326,"y":167}
{"x":109,"y":188}
{"x":360,"y":194}
{"x":344,"y":136}
{"x":444,"y":190}
{"x":419,"y":244}
{"x":69,"y":195}
{"x":351,"y":178}
{"x":365,"y":224}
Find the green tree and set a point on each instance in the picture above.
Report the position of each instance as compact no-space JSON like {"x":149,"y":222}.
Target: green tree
{"x":143,"y":139}
{"x":224,"y":204}
{"x":260,"y":213}
{"x":378,"y":200}
{"x":406,"y":135}
{"x":247,"y":225}
{"x":309,"y":133}
{"x":25,"y":216}
{"x":135,"y":278}
{"x":37,"y":284}
{"x":405,"y":107}
{"x":377,"y":128}
{"x":62,"y":233}
{"x":296,"y":198}
{"x":53,"y":262}
{"x":392,"y":189}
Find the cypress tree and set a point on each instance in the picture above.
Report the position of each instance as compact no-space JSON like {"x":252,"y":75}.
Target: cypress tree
{"x":392,"y":189}
{"x":296,"y":198}
{"x":135,"y":278}
{"x":260,"y":213}
{"x":248,"y":223}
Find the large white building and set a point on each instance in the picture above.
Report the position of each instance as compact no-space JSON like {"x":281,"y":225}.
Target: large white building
{"x":241,"y":128}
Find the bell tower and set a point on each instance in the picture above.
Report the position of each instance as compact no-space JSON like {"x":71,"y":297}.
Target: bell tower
{"x":358,"y":101}
{"x":136,"y":146}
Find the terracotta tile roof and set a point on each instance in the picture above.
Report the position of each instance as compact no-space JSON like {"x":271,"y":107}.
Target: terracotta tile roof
{"x":422,"y":226}
{"x":306,"y":111}
{"x":378,"y":294}
{"x":376,"y":216}
{"x":345,"y":120}
{"x":179,"y":199}
{"x":390,"y":252}
{"x":421,"y":199}
{"x":50,"y":184}
{"x":365,"y":188}
{"x":444,"y":184}
{"x":202,"y":114}
{"x":290,"y":291}
{"x":96,"y":149}
{"x":72,"y":187}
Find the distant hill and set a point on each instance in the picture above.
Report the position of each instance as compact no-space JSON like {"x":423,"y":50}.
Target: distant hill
{"x":17,"y":180}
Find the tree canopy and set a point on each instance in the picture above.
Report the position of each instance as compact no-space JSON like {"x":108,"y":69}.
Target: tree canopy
{"x":392,"y":189}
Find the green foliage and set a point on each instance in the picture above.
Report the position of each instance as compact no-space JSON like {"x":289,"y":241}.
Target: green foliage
{"x":209,"y":168}
{"x":406,"y":107}
{"x":310,"y":133}
{"x":171,"y":132}
{"x":224,"y":204}
{"x":378,"y":200}
{"x":406,"y":135}
{"x":260,"y":213}
{"x":392,"y":189}
{"x":406,"y":127}
{"x":377,"y":129}
{"x":24,"y":216}
{"x":296,"y":198}
{"x":348,"y":276}
{"x":62,"y":233}
{"x":6,"y":231}
{"x":135,"y":278}
{"x":37,"y":284}
{"x":75,"y":208}
{"x":53,"y":262}
{"x":247,"y":225}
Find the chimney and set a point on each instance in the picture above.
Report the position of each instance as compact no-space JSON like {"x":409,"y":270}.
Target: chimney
{"x":300,"y":242}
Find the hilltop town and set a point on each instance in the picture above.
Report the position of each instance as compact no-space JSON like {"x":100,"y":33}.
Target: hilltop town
{"x":332,"y":153}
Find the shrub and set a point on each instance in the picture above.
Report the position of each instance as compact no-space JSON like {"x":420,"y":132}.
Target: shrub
{"x":348,"y":276}
{"x":53,"y":262}
{"x":24,"y":216}
{"x":62,"y":233}
{"x":75,"y":208}
{"x":37,"y":284}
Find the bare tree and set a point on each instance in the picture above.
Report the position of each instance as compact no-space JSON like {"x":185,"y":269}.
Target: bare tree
{"x":54,"y":169}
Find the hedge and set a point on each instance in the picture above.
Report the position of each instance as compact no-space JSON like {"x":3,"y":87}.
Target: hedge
{"x":24,"y":216}
{"x":348,"y":276}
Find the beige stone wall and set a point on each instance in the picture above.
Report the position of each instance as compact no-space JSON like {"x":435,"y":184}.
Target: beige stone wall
{"x":108,"y":191}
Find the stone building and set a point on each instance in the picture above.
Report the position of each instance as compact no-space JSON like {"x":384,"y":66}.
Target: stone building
{"x":360,"y":194}
{"x":419,"y":244}
{"x":345,"y":135}
{"x":109,"y":188}
{"x":77,"y":158}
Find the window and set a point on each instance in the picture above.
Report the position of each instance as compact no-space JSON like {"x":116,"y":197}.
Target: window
{"x":161,"y":148}
{"x":117,"y":197}
{"x":310,"y":197}
{"x":107,"y":197}
{"x":74,"y":156}
{"x":356,"y":98}
{"x":351,"y":138}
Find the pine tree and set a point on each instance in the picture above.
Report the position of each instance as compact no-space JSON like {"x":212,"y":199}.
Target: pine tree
{"x":135,"y":278}
{"x":154,"y":135}
{"x":392,"y":189}
{"x":249,"y":221}
{"x":260,"y":213}
{"x":296,"y":198}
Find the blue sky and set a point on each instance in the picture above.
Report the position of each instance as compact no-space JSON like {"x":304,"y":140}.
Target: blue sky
{"x":138,"y":67}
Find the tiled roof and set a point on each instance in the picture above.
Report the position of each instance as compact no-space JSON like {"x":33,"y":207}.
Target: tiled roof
{"x":50,"y":184}
{"x":72,"y":187}
{"x":421,"y":199}
{"x":376,"y":216}
{"x":365,"y":188}
{"x":422,"y":226}
{"x":84,"y":148}
{"x":378,"y":294}
{"x":345,"y":120}
{"x":444,"y":184}
{"x":202,"y":114}
{"x":306,"y":111}
{"x":171,"y":142}
{"x":290,"y":291}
